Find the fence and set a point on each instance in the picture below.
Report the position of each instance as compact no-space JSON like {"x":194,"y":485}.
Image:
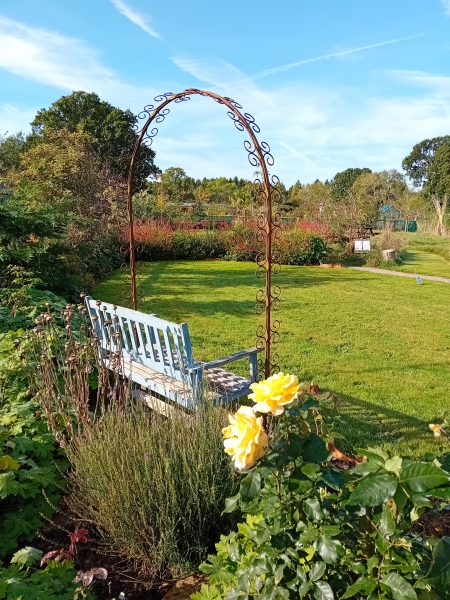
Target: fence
{"x":399,"y":225}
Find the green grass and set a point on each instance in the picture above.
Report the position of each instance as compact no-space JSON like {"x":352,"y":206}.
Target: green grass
{"x":381,"y":343}
{"x":425,"y":254}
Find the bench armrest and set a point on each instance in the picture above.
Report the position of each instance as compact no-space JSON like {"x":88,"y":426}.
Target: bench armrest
{"x":227,"y":359}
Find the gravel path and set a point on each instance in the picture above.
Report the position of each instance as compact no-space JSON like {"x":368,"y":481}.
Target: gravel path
{"x":401,"y":274}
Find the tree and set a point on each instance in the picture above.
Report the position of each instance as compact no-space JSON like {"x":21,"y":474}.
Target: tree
{"x":176,"y":185}
{"x":437,"y":186}
{"x":311,"y":201}
{"x":344,"y":180}
{"x":418,"y":162}
{"x":11,"y":148}
{"x":110,"y":127}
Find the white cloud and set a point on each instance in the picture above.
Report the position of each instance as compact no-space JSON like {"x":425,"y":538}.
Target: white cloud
{"x":139,"y":19}
{"x":66,"y":63}
{"x":315,"y":131}
{"x":222,"y":75}
{"x":446,"y":5}
{"x":14,"y":118}
{"x":333,"y":55}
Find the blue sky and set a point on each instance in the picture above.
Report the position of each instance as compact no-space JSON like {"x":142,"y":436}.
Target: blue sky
{"x":332,"y":83}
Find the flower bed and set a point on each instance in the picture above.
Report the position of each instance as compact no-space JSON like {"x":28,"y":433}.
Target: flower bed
{"x":302,"y":244}
{"x":314,"y":531}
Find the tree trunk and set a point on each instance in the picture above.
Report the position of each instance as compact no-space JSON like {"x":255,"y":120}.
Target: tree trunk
{"x":440,"y":207}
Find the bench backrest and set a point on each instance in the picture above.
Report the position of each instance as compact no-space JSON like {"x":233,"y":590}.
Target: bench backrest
{"x":145,"y":339}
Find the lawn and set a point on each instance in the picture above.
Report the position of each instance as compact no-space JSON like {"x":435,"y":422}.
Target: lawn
{"x":425,"y":254}
{"x":381,"y":343}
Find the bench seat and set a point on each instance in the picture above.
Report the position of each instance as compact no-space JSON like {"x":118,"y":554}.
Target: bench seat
{"x":157,"y":355}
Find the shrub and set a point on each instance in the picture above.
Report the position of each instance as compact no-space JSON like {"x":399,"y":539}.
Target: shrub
{"x":159,"y":240}
{"x":31,"y":464}
{"x":55,"y":582}
{"x":314,"y":531}
{"x":154,"y":486}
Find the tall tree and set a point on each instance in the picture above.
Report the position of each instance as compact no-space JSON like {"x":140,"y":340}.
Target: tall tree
{"x":343,"y":181}
{"x":11,"y":148}
{"x":110,"y":127}
{"x":418,"y":162}
{"x":437,"y":186}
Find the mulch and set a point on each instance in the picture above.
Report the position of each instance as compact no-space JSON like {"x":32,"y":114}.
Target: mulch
{"x":123,"y":576}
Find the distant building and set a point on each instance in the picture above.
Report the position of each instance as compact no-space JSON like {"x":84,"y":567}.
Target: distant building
{"x":389,"y":213}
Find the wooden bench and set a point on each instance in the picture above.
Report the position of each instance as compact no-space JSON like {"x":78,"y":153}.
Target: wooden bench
{"x":157,"y":355}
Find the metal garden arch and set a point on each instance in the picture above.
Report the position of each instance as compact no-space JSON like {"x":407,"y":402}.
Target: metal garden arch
{"x":268,"y":223}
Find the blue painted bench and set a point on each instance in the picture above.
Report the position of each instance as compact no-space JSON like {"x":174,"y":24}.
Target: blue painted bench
{"x":157,"y":355}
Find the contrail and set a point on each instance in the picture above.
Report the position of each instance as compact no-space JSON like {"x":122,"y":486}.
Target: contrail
{"x":327,"y":56}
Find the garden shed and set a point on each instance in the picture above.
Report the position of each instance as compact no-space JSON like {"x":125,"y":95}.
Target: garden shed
{"x":389,"y":213}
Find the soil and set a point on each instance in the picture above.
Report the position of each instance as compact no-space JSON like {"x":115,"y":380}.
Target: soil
{"x":122,"y":577}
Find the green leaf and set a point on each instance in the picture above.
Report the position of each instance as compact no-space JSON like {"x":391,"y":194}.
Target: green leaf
{"x":26,"y":556}
{"x":330,"y":530}
{"x":362,"y":585}
{"x":334,"y":479}
{"x":250,"y":486}
{"x":443,"y":493}
{"x":313,"y":510}
{"x":315,"y":450}
{"x":304,"y":589}
{"x":366,"y":468}
{"x":439,"y":573}
{"x":422,"y":477}
{"x":322,"y":591}
{"x":6,"y":462}
{"x":393,"y":464}
{"x":232,"y":503}
{"x":326,"y":548}
{"x":207,"y":592}
{"x":372,"y":562}
{"x":400,"y":497}
{"x":310,"y":403}
{"x":295,"y":446}
{"x":299,"y":483}
{"x":399,"y":587}
{"x":233,"y":552}
{"x":385,"y":521}
{"x":375,"y":455}
{"x":317,"y":571}
{"x":244,"y":583}
{"x":9,"y":486}
{"x":310,"y":470}
{"x":375,"y":489}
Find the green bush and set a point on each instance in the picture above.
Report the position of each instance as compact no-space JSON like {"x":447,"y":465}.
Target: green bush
{"x":31,"y":478}
{"x":22,"y":581}
{"x":154,"y":486}
{"x":316,"y":532}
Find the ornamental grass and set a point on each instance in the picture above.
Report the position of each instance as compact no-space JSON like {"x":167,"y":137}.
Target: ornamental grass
{"x":154,"y":486}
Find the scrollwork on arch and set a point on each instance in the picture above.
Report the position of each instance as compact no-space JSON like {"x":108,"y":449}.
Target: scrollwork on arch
{"x":266,"y":193}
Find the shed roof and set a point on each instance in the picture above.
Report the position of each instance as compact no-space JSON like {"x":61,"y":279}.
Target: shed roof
{"x":387,"y":207}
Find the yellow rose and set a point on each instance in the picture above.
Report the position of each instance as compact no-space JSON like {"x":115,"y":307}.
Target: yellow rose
{"x":245,"y":439}
{"x":272,"y":394}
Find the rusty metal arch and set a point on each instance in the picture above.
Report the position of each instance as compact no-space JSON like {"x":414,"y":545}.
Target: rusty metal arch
{"x":268,"y":224}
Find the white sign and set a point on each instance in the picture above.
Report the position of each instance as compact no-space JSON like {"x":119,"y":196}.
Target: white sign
{"x":362,"y":245}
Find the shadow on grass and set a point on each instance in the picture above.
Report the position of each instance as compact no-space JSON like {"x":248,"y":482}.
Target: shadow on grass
{"x":366,"y":424}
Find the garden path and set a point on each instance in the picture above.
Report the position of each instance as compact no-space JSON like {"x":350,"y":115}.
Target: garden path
{"x":402,"y":274}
